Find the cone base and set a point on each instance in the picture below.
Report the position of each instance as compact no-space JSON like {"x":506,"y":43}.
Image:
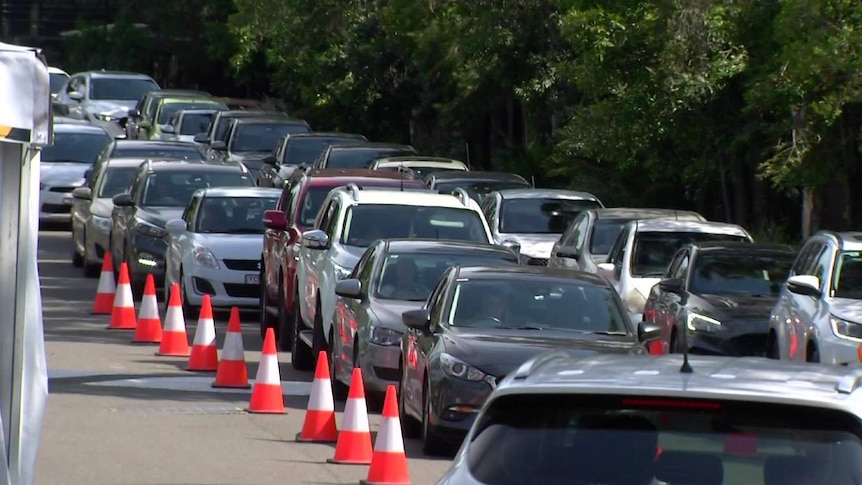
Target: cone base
{"x":121,"y":327}
{"x":283,"y":411}
{"x":174,"y":354}
{"x":190,"y":369}
{"x":366,"y":482}
{"x":348,"y":462}
{"x":144,"y":341}
{"x":300,"y":439}
{"x":228,"y":386}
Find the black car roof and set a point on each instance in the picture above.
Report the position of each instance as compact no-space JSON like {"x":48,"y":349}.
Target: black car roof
{"x":478,"y":176}
{"x":192,"y":165}
{"x":325,"y":134}
{"x":437,"y":246}
{"x":742,"y":247}
{"x":147,"y":144}
{"x":521,"y":272}
{"x":269,"y":120}
{"x":370,"y":146}
{"x":238,"y":113}
{"x":177,"y":92}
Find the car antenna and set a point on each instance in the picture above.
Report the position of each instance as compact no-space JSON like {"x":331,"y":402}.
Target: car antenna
{"x":686,"y":366}
{"x":467,"y":150}
{"x":533,"y":179}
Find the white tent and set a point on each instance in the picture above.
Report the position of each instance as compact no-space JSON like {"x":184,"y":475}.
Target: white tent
{"x":25,"y":127}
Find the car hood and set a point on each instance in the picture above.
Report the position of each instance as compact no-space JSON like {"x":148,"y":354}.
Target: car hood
{"x":102,"y":207}
{"x":735,"y":307}
{"x":233,"y":246}
{"x":69,"y":173}
{"x":388,"y":312}
{"x":348,"y":256}
{"x":160,"y":215}
{"x":250,"y":159}
{"x":533,"y":245}
{"x":498,"y":352}
{"x":112,"y":107}
{"x":285,"y":171}
{"x":847,"y":309}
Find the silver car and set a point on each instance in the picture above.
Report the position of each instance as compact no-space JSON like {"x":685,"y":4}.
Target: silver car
{"x":185,"y":124}
{"x":63,"y":168}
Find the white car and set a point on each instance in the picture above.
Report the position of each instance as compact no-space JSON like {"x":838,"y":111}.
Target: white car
{"x":419,"y":166}
{"x":645,"y":248}
{"x":57,"y":78}
{"x":215,"y":247}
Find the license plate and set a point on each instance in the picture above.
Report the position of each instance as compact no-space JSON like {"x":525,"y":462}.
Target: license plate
{"x":68,"y":201}
{"x":252,"y":279}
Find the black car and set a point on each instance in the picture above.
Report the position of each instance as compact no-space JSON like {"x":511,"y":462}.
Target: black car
{"x":296,"y":149}
{"x":720,"y":294}
{"x":160,"y":191}
{"x":360,"y":155}
{"x":151,"y":149}
{"x":393,"y":276}
{"x":145,"y":110}
{"x":477,"y":184}
{"x":217,"y":130}
{"x":480,"y":323}
{"x":251,"y":140}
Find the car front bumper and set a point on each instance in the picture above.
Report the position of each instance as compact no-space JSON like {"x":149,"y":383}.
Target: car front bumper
{"x":55,"y":204}
{"x":380,"y":366}
{"x":113,"y":128}
{"x":838,"y":351}
{"x":226,"y":287}
{"x":97,"y":240}
{"x":730,"y":342}
{"x":147,"y":256}
{"x":455,"y":403}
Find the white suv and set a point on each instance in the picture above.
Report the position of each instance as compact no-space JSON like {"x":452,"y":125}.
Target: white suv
{"x":818,"y":316}
{"x":349,"y":221}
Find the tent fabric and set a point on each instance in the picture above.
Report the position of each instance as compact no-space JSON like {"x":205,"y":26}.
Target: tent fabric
{"x":25,"y":97}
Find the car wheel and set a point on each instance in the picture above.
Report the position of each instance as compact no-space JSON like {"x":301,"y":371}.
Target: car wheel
{"x":286,"y":320}
{"x":339,"y":389}
{"x":431,"y":443}
{"x":300,"y":353}
{"x":189,"y":311}
{"x":77,"y":259}
{"x":813,"y":354}
{"x":266,"y":320}
{"x":676,"y":345}
{"x":409,"y":425}
{"x":772,"y":351}
{"x":318,"y":341}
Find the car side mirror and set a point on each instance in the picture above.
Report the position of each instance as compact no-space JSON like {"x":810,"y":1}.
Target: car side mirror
{"x":274,"y":219}
{"x":123,"y":200}
{"x":146,"y":125}
{"x":417,"y":319}
{"x":168,"y":129}
{"x":647,"y":332}
{"x":82,"y":193}
{"x":349,"y":288}
{"x":513,"y":246}
{"x":218,"y":145}
{"x":133,"y":113}
{"x":87,"y":173}
{"x":270,"y":160}
{"x":76,"y":96}
{"x":315,"y":239}
{"x":804,"y":285}
{"x":201,"y":138}
{"x":175,"y":226}
{"x":563,"y":252}
{"x":607,"y":267}
{"x":671,"y":285}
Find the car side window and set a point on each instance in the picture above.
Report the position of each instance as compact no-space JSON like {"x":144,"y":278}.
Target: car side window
{"x":332,"y":227}
{"x":324,"y":215}
{"x":135,"y":189}
{"x":822,"y":264}
{"x":293,"y":200}
{"x":438,"y":300}
{"x":365,"y":272}
{"x":805,"y":264}
{"x":488,"y":210}
{"x":618,"y":251}
{"x":682,"y":267}
{"x":576,"y":235}
{"x":73,"y":85}
{"x":189,"y":213}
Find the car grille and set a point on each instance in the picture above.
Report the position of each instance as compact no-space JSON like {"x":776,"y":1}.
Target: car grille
{"x":242,"y":264}
{"x":238,"y":290}
{"x":62,"y":190}
{"x":56,"y":209}
{"x":750,"y":345}
{"x":537,"y":262}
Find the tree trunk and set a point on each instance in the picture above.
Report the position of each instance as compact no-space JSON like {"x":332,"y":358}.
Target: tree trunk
{"x":807,"y":212}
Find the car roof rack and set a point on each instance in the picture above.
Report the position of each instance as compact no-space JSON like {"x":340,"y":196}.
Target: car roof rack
{"x":462,"y":196}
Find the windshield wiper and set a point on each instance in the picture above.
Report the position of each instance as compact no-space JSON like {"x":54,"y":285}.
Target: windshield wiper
{"x":605,"y":332}
{"x":523,"y":327}
{"x":246,"y":230}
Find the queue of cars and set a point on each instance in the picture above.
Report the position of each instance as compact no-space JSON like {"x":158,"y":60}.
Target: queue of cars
{"x":530,"y":318}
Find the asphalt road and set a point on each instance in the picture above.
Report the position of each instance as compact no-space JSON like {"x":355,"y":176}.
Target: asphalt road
{"x":118,"y":414}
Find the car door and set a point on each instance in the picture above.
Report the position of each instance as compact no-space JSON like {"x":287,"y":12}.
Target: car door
{"x":120,"y":220}
{"x":797,"y":308}
{"x":289,"y":241}
{"x":813,"y":309}
{"x":81,"y":207}
{"x":358,"y":316}
{"x":311,"y":262}
{"x":415,"y":359}
{"x":673,"y":320}
{"x":617,"y":258}
{"x":180,"y":244}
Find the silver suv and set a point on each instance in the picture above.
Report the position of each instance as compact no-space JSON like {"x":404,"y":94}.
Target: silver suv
{"x":818,"y":316}
{"x":564,"y":418}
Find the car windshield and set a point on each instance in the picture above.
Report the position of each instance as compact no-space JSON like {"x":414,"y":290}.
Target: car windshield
{"x":653,"y":251}
{"x":412,"y":276}
{"x":195,"y":123}
{"x":76,"y":147}
{"x":541,"y":216}
{"x":735,"y":273}
{"x":233,"y":215}
{"x":262,"y":137}
{"x":176,"y":152}
{"x":537,"y":302}
{"x":116,"y":181}
{"x":169,"y":109}
{"x":604,"y":235}
{"x":175,"y":188}
{"x":305,"y":150}
{"x":568,"y":439}
{"x":57,"y":81}
{"x":847,"y":277}
{"x":420,"y":172}
{"x":479,"y":190}
{"x":367,"y":223}
{"x":120,"y":88}
{"x":362,"y":157}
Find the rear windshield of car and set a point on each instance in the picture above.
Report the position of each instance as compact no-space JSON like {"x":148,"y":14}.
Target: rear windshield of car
{"x":306,"y":150}
{"x":412,"y":276}
{"x":541,"y":216}
{"x":126,"y":89}
{"x":195,"y":123}
{"x":76,"y":147}
{"x":653,"y":251}
{"x":262,"y":137}
{"x":57,"y":81}
{"x":604,"y":235}
{"x":181,"y":153}
{"x":169,"y":109}
{"x":175,"y":188}
{"x":362,"y":158}
{"x":740,"y":274}
{"x":367,"y":223}
{"x":116,"y":181}
{"x":233,"y":215}
{"x":479,"y":190}
{"x":577,"y":439}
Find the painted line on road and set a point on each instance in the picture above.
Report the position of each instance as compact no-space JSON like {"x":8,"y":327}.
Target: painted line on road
{"x":55,"y":261}
{"x":198,"y":384}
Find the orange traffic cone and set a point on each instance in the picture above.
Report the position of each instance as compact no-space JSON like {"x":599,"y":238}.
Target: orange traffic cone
{"x":319,"y":423}
{"x":175,"y":340}
{"x":149,"y":323}
{"x":232,"y":369}
{"x":354,"y":440}
{"x":267,"y":396}
{"x":204,"y":355}
{"x":123,"y":313}
{"x":104,"y":303}
{"x":389,"y":464}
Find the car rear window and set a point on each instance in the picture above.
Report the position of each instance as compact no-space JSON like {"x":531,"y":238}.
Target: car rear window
{"x":362,"y":157}
{"x":179,"y":153}
{"x":576,"y":439}
{"x":653,"y":251}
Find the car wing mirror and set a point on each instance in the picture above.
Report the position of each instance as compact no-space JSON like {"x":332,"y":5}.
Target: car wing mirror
{"x":315,"y":239}
{"x":349,"y":288}
{"x":175,"y":226}
{"x":82,"y":193}
{"x":807,"y":285}
{"x":671,"y":285}
{"x":123,"y":200}
{"x":201,"y":138}
{"x":417,"y":319}
{"x":648,"y":332}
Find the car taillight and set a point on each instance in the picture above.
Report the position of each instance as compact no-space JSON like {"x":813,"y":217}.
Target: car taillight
{"x":670,"y":403}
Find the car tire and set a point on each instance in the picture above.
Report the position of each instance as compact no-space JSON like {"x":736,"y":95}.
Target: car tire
{"x":266,"y":320}
{"x":77,"y":259}
{"x":813,"y":356}
{"x":318,"y":341}
{"x":411,"y":427}
{"x":772,"y":351}
{"x":432,"y":445}
{"x":339,"y":389}
{"x":285,"y":321}
{"x":301,"y":357}
{"x":189,"y":311}
{"x":676,"y":345}
{"x":90,"y":270}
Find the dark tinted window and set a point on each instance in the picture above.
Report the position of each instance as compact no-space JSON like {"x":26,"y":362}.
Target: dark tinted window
{"x":579,"y":439}
{"x":604,"y":235}
{"x":310,"y":205}
{"x":541,"y":216}
{"x":847,"y":278}
{"x":653,"y":251}
{"x":233,"y":215}
{"x":175,"y":188}
{"x":176,"y":152}
{"x":537,"y":302}
{"x":479,"y":190}
{"x":736,"y":273}
{"x":261,"y":137}
{"x":116,"y":181}
{"x":306,"y":150}
{"x":362,"y":158}
{"x":169,"y":109}
{"x":127,"y":89}
{"x":412,"y":276}
{"x":75,"y":147}
{"x":367,"y":223}
{"x":195,"y":123}
{"x":57,"y":81}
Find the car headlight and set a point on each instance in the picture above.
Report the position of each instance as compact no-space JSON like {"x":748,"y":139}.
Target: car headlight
{"x":456,"y":367}
{"x":702,"y":323}
{"x":846,"y":330}
{"x":151,"y":230}
{"x":384,"y":336}
{"x":102,"y":223}
{"x":104,"y":117}
{"x":341,"y":272}
{"x":204,"y":257}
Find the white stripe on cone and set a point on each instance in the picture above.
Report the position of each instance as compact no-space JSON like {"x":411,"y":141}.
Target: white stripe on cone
{"x":267,"y":370}
{"x":232,"y":348}
{"x":123,"y":297}
{"x":174,"y":319}
{"x":355,"y":416}
{"x":106,"y":283}
{"x":389,"y":438}
{"x":149,"y":308}
{"x":321,"y":396}
{"x":205,"y":333}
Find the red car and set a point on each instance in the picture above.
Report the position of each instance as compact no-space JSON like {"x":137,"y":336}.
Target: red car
{"x":301,"y":199}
